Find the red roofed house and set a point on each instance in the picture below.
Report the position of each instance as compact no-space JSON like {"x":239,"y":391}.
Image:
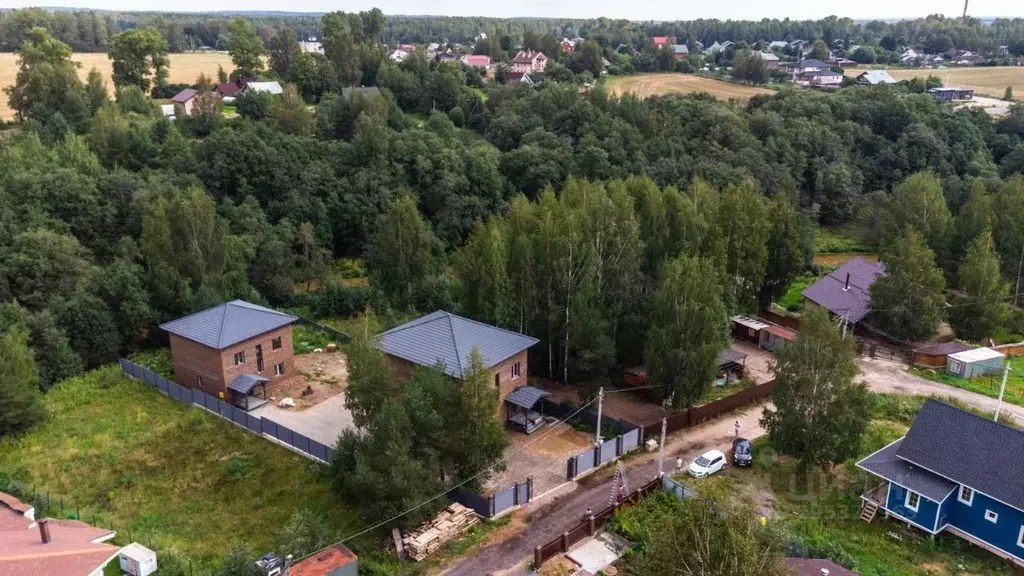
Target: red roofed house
{"x":664,"y":40}
{"x":529,"y":61}
{"x":568,"y":46}
{"x":48,"y":547}
{"x":335,"y":560}
{"x":476,"y":61}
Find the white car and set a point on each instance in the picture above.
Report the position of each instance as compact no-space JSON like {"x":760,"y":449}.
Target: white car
{"x":707,"y":464}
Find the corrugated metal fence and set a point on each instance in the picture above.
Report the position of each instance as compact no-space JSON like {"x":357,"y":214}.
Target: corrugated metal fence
{"x":608,"y":450}
{"x":505,"y":499}
{"x":262,"y":426}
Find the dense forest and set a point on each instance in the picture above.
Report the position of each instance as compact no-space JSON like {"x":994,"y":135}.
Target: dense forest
{"x":92,"y":31}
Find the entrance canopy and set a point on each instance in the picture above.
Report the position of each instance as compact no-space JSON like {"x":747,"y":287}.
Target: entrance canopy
{"x":244,"y":383}
{"x":526,"y":396}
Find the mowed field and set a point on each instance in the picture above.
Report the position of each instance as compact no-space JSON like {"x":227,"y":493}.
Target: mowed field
{"x":985,"y":80}
{"x":184,"y":68}
{"x":646,"y":85}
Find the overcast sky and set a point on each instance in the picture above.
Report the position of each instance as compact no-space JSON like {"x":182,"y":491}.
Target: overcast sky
{"x":631,"y":9}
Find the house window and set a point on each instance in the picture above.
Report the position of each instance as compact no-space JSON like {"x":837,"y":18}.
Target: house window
{"x":239,"y":358}
{"x":279,"y":369}
{"x":913,"y":501}
{"x":991,"y":516}
{"x":515,"y":370}
{"x":1020,"y":537}
{"x":955,"y":366}
{"x":275,"y":344}
{"x":966,"y":495}
{"x":750,"y":331}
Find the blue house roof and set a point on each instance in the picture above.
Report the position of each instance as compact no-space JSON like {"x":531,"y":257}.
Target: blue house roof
{"x":228,"y":324}
{"x":449,"y":339}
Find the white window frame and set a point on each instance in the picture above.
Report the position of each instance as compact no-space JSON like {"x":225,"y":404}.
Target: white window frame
{"x":955,"y":366}
{"x":279,"y":369}
{"x":1020,"y":537}
{"x":239,"y":358}
{"x":516,"y":370}
{"x":991,"y":516}
{"x":906,"y":501}
{"x":960,"y":496}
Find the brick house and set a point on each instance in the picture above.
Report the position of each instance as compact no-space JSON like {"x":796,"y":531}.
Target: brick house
{"x":232,"y":351}
{"x":186,"y":99}
{"x":527,"y":61}
{"x":444,"y":338}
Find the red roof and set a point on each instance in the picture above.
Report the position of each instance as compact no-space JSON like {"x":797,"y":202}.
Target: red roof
{"x":13,"y":503}
{"x":324,"y":562}
{"x":184,"y":96}
{"x":781,"y":332}
{"x":74,"y":549}
{"x":659,"y":40}
{"x":228,"y":89}
{"x":477,"y":60}
{"x":528,"y":56}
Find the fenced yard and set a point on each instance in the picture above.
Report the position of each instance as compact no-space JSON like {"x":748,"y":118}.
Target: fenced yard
{"x":541,"y":455}
{"x":988,"y":384}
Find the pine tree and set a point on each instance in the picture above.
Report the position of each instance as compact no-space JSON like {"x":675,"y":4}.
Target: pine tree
{"x":21,"y":403}
{"x":819,"y":412}
{"x":981,"y":307}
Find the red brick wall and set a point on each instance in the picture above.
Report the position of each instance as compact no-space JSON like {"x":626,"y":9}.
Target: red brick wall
{"x":217,"y":367}
{"x":404,"y":368}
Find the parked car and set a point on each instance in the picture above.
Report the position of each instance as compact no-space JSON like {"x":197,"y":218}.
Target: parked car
{"x":742,"y":454}
{"x":707,"y":464}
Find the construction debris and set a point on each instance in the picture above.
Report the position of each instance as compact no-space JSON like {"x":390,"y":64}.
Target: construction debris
{"x":451,"y":523}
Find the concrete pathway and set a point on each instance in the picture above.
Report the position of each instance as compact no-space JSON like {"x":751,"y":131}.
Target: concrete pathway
{"x":323,"y":422}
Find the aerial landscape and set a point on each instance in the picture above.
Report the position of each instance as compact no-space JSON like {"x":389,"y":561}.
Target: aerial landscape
{"x":531,"y":289}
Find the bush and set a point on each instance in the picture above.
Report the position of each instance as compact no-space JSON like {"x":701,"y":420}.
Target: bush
{"x":254,"y":105}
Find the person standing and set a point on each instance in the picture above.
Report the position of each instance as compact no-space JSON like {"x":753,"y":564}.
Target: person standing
{"x":737,"y":427}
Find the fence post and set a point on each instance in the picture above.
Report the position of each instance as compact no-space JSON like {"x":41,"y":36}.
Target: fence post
{"x":618,"y":445}
{"x":597,"y":455}
{"x":515,"y":493}
{"x":565,"y":541}
{"x":536,"y":558}
{"x":529,"y":488}
{"x":490,"y":504}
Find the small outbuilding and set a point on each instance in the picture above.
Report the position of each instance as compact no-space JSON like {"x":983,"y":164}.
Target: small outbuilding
{"x":937,"y":355}
{"x":521,"y":404}
{"x":976,"y":362}
{"x":772,"y":336}
{"x":137,"y":560}
{"x":748,"y":329}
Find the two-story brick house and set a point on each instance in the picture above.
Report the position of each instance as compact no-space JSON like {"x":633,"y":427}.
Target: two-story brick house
{"x":447,"y":339}
{"x":527,"y":61}
{"x":232,"y":351}
{"x":954,"y":472}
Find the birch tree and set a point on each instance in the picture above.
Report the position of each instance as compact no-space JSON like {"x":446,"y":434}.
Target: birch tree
{"x":1009,"y":231}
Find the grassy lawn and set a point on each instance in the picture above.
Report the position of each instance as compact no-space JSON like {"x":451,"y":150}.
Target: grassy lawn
{"x":843,"y":239}
{"x":819,"y":514}
{"x":793,"y":300}
{"x":718,"y":392}
{"x":987,"y":385}
{"x":117,"y":453}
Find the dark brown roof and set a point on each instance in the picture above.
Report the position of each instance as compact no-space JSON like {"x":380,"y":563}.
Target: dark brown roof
{"x":852,"y":301}
{"x":184,"y":96}
{"x":784,"y":333}
{"x":324,"y":562}
{"x":943,"y":349}
{"x":228,"y":88}
{"x":812,"y":567}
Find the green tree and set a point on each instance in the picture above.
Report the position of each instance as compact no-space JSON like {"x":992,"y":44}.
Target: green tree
{"x":973,"y":219}
{"x":291,"y":114}
{"x":41,"y":264}
{"x":47,"y":81}
{"x":55,"y":357}
{"x":306,"y":532}
{"x":819,"y":50}
{"x":786,"y":250}
{"x":282,"y":49}
{"x":917,"y":202}
{"x":485,"y":289}
{"x":21,"y":404}
{"x":743,"y":221}
{"x":246,"y":49}
{"x":819,"y":412}
{"x":1008,"y":94}
{"x":981,"y":307}
{"x":1008,"y":207}
{"x":96,"y":90}
{"x":342,"y":34}
{"x":687,"y":329}
{"x":404,"y":254}
{"x":748,"y":65}
{"x":137,"y":54}
{"x":908,"y":299}
{"x":239,"y":562}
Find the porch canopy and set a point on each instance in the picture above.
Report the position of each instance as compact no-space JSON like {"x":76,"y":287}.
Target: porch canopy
{"x":887,"y":465}
{"x":520,"y":408}
{"x":243,"y":386}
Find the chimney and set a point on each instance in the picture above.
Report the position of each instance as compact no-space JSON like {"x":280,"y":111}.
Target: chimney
{"x":44,"y":530}
{"x":847,"y":287}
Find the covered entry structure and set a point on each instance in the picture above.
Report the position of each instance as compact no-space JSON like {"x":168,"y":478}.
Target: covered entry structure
{"x":248,"y":391}
{"x":520,"y":404}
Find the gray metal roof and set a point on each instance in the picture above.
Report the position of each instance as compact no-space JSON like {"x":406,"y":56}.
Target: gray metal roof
{"x":244,"y":383}
{"x":877,"y":77}
{"x":526,"y":396}
{"x":228,"y":324}
{"x":968,"y":449}
{"x":832,"y":293}
{"x":728,"y":356}
{"x":888,"y":465}
{"x":449,"y":339}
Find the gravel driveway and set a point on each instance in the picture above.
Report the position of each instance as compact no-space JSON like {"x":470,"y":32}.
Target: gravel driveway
{"x":887,"y":376}
{"x":323,"y":422}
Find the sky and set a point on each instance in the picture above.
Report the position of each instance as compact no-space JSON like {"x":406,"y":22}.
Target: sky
{"x":630,"y":9}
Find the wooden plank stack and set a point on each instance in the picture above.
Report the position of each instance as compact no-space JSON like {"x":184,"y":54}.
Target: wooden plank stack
{"x":451,"y":523}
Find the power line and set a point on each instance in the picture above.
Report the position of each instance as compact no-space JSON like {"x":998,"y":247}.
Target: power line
{"x":467,"y":480}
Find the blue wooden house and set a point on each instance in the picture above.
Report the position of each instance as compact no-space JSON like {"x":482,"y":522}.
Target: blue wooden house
{"x":954,"y":472}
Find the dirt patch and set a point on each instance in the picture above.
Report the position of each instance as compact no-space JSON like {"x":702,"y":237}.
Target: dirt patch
{"x":324,"y":375}
{"x":561,"y":566}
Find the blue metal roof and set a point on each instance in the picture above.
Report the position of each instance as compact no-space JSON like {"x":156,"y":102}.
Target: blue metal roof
{"x":443,"y":337}
{"x":526,"y":396}
{"x":228,"y":324}
{"x":244,"y":383}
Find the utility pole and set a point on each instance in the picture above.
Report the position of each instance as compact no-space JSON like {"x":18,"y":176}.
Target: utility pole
{"x":965,"y":9}
{"x":1002,"y":390}
{"x":661,"y":448}
{"x":600,"y":401}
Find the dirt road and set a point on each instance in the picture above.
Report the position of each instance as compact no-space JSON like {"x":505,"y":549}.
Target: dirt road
{"x":553,"y":517}
{"x":886,"y":376}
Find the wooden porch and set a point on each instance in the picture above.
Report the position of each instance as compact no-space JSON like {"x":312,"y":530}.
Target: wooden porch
{"x":872,"y":501}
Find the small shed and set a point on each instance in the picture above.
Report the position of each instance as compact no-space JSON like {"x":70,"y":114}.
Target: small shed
{"x":730,"y":365}
{"x":772,"y":336}
{"x":521,"y":403}
{"x":749,"y":329}
{"x":137,"y":560}
{"x":976,"y":362}
{"x":936,"y":355}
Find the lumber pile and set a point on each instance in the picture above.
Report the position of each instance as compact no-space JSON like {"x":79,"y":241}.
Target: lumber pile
{"x":451,"y":523}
